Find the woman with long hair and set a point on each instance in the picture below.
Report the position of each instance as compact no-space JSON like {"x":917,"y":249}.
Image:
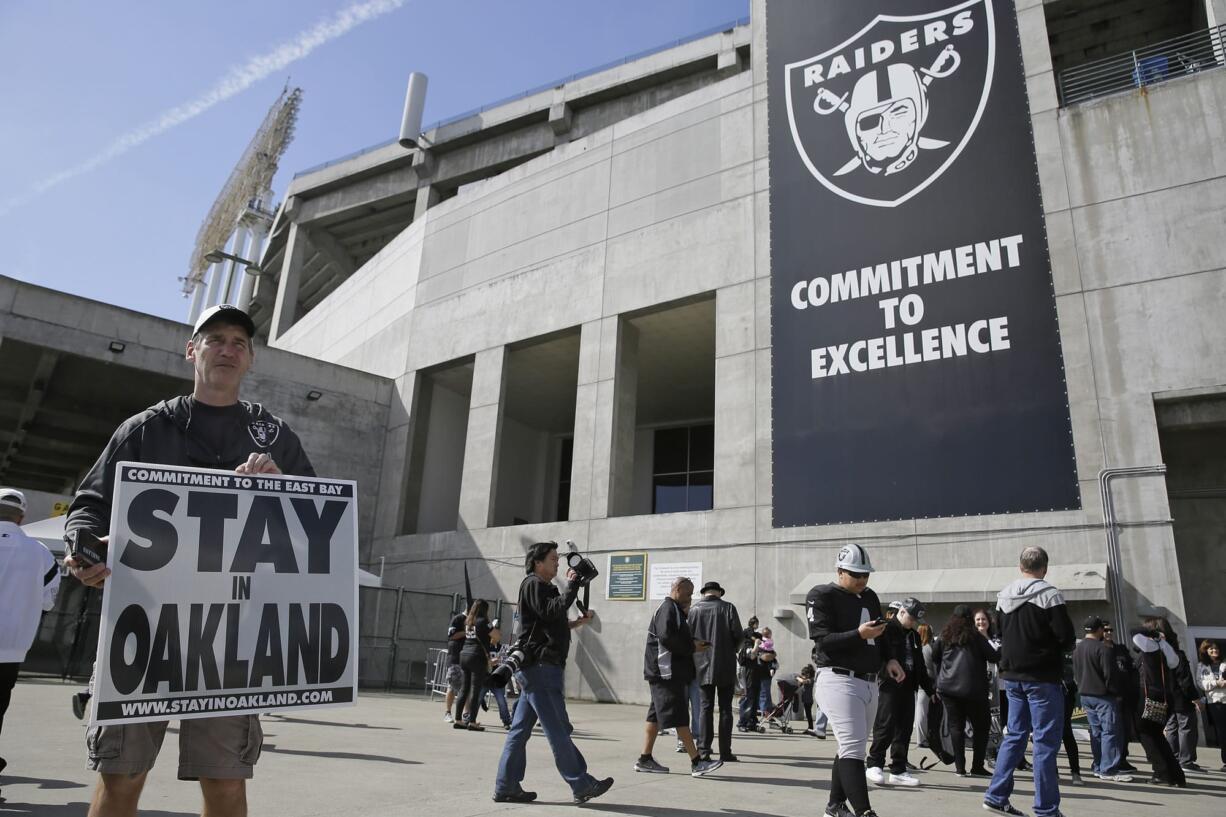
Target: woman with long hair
{"x":1156,"y":663}
{"x":962,"y":656}
{"x":475,"y":662}
{"x":1213,"y":682}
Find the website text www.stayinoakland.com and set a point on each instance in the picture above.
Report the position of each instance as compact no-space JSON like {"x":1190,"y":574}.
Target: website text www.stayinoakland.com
{"x":224,"y":703}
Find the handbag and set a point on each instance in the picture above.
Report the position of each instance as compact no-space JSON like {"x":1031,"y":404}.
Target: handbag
{"x":1152,"y":710}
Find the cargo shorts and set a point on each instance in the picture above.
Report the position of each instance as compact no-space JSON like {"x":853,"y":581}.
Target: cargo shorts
{"x":455,"y":678}
{"x":224,"y":748}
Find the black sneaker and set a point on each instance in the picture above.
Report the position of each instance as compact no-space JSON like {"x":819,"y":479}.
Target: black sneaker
{"x":838,"y":810}
{"x":702,"y":767}
{"x":600,"y":788}
{"x":1004,"y":808}
{"x":79,"y":701}
{"x":520,"y":796}
{"x":728,"y":758}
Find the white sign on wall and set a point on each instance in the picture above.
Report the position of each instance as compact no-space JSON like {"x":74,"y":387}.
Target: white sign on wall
{"x":662,"y":576}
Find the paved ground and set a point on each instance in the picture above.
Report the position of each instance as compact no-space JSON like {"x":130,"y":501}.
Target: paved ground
{"x":393,"y":755}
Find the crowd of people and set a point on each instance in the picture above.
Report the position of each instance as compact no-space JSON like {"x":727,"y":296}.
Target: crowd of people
{"x":1006,"y":681}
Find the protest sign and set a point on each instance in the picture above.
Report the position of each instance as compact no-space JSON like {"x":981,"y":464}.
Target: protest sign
{"x":229,"y":594}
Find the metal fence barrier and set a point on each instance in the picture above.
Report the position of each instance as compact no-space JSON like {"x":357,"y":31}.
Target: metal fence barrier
{"x":1176,"y":57}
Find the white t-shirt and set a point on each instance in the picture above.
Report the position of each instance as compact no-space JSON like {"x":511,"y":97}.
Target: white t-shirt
{"x":29,"y":581}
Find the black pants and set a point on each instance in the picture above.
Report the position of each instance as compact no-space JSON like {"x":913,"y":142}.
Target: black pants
{"x":753,"y":693}
{"x":1217,"y":716}
{"x":1153,"y":741}
{"x":1182,"y":732}
{"x":957,"y":712}
{"x":8,"y":680}
{"x":475,"y":669}
{"x":892,"y":727}
{"x":710,"y":694}
{"x":1070,"y":742}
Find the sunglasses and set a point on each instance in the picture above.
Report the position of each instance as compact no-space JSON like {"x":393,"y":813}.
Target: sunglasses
{"x":858,"y":576}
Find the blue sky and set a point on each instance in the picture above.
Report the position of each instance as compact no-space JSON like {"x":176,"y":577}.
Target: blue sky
{"x":77,"y":75}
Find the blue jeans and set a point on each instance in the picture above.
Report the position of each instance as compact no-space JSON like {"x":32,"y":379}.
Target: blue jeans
{"x":765,"y":704}
{"x":541,"y":698}
{"x":1036,"y":708}
{"x":694,"y":692}
{"x":500,"y":697}
{"x":1106,"y":732}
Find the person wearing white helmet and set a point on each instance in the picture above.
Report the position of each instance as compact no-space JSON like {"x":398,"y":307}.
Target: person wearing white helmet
{"x":846,"y":624}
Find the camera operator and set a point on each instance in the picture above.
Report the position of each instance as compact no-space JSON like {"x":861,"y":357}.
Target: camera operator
{"x":846,"y":625}
{"x":546,"y":643}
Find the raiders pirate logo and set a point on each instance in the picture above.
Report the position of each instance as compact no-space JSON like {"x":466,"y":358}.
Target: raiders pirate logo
{"x":264,"y":432}
{"x":880,"y":116}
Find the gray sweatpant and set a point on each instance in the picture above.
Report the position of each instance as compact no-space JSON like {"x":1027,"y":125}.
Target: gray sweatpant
{"x":851,"y":706}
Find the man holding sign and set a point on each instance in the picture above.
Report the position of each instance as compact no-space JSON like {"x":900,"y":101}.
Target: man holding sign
{"x":210,"y":428}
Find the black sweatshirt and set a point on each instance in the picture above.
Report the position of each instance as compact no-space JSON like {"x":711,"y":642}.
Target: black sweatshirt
{"x":542,"y":614}
{"x":835,"y":616}
{"x":1094,"y":669}
{"x":669,"y":654}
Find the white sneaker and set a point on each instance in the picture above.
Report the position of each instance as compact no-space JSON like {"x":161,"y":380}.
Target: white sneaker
{"x":903,"y":779}
{"x":448,"y":718}
{"x":875,"y":774}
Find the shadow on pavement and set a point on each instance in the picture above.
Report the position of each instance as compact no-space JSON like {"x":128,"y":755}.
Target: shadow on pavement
{"x":309,"y":722}
{"x":340,"y":755}
{"x":655,"y":810}
{"x":74,"y":810}
{"x":10,"y":780}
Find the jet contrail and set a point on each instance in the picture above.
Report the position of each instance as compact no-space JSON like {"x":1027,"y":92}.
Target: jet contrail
{"x":237,"y":80}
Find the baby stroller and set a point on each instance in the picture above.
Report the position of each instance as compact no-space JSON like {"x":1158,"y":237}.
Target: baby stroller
{"x":788,"y":709}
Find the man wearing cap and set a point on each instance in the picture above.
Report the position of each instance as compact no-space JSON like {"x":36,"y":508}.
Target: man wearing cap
{"x":210,"y":428}
{"x":29,"y":580}
{"x":1101,"y":694}
{"x":896,"y":699}
{"x":846,"y":625}
{"x":716,"y":622}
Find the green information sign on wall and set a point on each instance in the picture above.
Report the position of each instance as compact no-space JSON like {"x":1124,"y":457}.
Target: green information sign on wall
{"x":627,"y":577}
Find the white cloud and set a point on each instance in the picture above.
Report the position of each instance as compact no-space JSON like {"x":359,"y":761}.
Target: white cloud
{"x":235,"y":81}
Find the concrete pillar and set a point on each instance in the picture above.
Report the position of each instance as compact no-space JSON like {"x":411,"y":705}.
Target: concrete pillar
{"x":427,"y":197}
{"x":247,"y":289}
{"x":395,"y":483}
{"x":615,"y":419}
{"x":581,"y":465}
{"x":197,"y":302}
{"x":735,"y":397}
{"x":214,"y":278}
{"x":238,"y":245}
{"x":285,"y":309}
{"x":480,"y":473}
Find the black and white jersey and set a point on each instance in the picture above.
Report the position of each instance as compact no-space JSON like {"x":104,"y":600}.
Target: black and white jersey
{"x":834,"y":616}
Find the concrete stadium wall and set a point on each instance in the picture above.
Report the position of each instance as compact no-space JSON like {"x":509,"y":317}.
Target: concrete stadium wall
{"x":672,"y":203}
{"x":341,"y":432}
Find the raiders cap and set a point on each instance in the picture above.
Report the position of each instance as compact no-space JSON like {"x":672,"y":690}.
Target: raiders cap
{"x":227,"y":313}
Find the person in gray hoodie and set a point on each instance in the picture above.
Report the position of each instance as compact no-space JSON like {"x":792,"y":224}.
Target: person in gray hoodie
{"x":1036,"y":631}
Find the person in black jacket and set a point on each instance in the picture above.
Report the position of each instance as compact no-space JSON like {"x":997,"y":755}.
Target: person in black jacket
{"x":961,"y":656}
{"x":1129,"y":685}
{"x":545,"y":628}
{"x":1182,"y":731}
{"x":1035,"y":634}
{"x":846,"y":625}
{"x":896,"y":700}
{"x":668,"y":667}
{"x":716,"y":622}
{"x":1156,"y":662}
{"x":1102,"y":687}
{"x":210,"y":428}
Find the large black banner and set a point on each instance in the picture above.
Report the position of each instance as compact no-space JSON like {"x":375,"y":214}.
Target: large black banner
{"x":916,"y":363}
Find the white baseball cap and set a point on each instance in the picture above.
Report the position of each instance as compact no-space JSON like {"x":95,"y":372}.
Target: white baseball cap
{"x":13,"y":498}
